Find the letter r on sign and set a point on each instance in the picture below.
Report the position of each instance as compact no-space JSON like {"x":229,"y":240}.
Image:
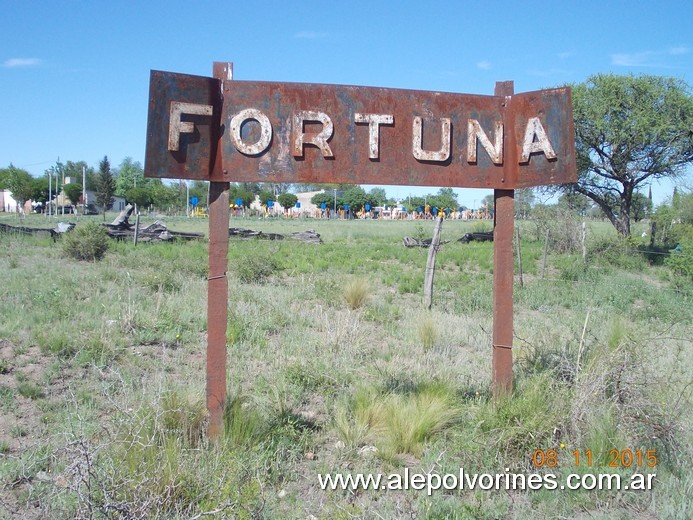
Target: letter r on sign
{"x":177,"y":127}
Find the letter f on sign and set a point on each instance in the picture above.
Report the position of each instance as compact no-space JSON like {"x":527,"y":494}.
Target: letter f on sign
{"x":177,"y":127}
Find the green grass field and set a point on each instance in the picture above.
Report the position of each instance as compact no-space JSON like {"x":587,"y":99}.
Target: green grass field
{"x":335,"y":366}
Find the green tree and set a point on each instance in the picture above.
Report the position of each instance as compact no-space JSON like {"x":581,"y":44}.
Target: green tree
{"x":323,"y":198}
{"x":287,"y":200}
{"x":4,"y":175}
{"x":164,"y":196}
{"x":129,"y":175}
{"x":105,"y":186}
{"x":575,"y":202}
{"x":379,"y":195}
{"x":487,"y":201}
{"x":524,"y":200}
{"x":629,"y":130}
{"x":40,"y":190}
{"x":73,"y":170}
{"x":356,"y":197}
{"x":674,"y":221}
{"x":19,"y":182}
{"x":253,"y":187}
{"x":266,"y":196}
{"x":73,"y":192}
{"x":141,"y":196}
{"x":445,"y":198}
{"x":238,"y":191}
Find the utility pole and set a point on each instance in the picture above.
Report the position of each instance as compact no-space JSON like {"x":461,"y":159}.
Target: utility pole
{"x":50,"y":189}
{"x":62,"y":171}
{"x":84,"y":190}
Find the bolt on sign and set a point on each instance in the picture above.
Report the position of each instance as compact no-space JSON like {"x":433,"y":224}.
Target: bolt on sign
{"x":220,"y":130}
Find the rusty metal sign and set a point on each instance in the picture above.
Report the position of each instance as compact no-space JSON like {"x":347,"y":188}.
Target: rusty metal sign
{"x":220,"y":130}
{"x":307,"y":133}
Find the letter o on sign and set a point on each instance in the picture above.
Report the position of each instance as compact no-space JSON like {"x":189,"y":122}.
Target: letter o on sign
{"x":265,"y":131}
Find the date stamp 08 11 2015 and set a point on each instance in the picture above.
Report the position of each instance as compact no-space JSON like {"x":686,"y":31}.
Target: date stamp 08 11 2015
{"x":617,"y":458}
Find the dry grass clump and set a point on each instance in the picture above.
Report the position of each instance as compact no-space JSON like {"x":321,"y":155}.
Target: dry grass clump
{"x":397,"y":424}
{"x":427,"y":332}
{"x":356,"y":293}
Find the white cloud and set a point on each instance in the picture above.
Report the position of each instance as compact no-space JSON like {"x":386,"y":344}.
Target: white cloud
{"x":681,"y":49}
{"x":633,"y":59}
{"x":21,"y":62}
{"x":484,"y":65}
{"x":650,"y":58}
{"x":565,"y":54}
{"x":310,"y":35}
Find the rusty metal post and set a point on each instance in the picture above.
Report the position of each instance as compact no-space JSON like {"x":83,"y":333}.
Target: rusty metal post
{"x":217,"y":290}
{"x":503,"y":272}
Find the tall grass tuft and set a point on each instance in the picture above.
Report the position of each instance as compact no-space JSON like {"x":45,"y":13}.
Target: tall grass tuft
{"x":427,"y":332}
{"x":243,"y":424}
{"x":356,"y":293}
{"x":397,"y":424}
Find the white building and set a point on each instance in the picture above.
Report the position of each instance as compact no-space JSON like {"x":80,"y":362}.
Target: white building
{"x":7,"y":203}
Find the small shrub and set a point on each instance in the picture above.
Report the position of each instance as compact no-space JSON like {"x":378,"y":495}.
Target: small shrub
{"x":256,"y":268}
{"x":56,"y":342}
{"x":680,"y":261}
{"x":572,"y":268}
{"x":356,"y":293}
{"x":616,"y":252}
{"x":29,"y":390}
{"x":420,"y":233}
{"x":88,"y":242}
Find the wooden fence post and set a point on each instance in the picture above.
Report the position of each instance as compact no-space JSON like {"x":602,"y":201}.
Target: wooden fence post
{"x":431,"y":264}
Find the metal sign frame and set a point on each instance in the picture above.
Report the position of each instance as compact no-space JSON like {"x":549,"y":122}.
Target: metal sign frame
{"x":221,"y":130}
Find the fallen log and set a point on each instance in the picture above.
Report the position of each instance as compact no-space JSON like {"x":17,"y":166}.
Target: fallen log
{"x":412,"y":242}
{"x":477,"y":237}
{"x":155,"y":232}
{"x":54,"y":233}
{"x":426,"y":242}
{"x":309,"y":236}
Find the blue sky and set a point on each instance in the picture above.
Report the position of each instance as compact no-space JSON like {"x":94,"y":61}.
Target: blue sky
{"x":74,"y":75}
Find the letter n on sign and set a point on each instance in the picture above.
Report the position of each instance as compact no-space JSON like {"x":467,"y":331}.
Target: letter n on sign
{"x":183,"y":125}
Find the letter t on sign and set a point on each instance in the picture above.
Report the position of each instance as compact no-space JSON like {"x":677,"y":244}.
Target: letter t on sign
{"x":177,"y":127}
